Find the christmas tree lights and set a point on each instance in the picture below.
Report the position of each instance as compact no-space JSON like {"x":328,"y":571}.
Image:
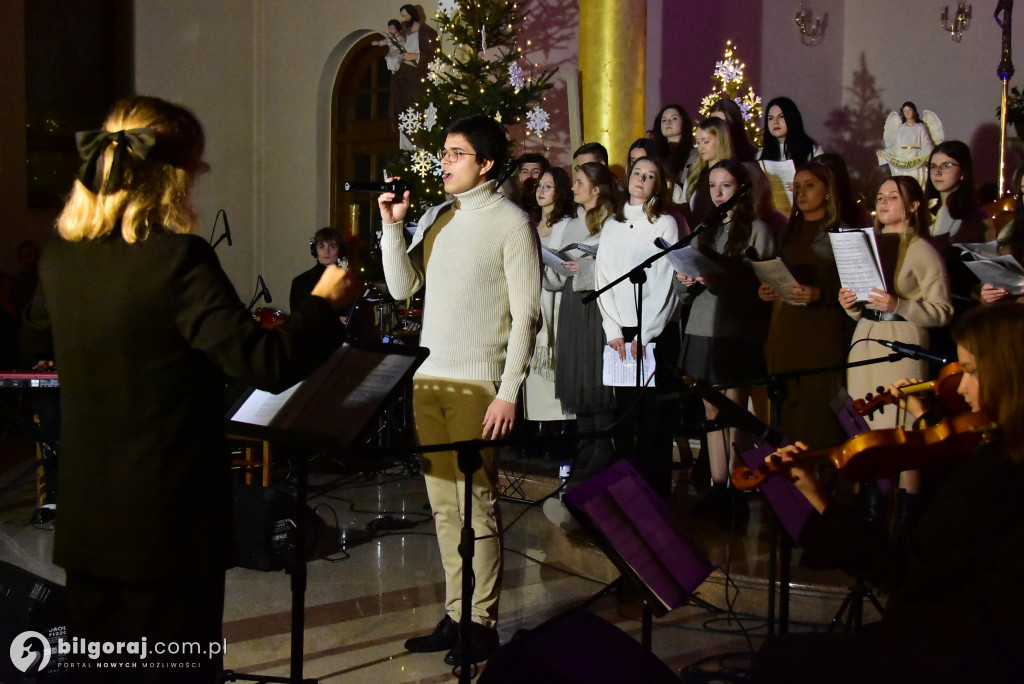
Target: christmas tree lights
{"x":730,"y":84}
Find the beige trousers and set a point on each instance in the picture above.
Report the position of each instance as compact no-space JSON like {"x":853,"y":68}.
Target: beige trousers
{"x":453,"y":411}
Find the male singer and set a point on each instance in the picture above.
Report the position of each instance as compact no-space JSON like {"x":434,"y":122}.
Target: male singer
{"x":480,"y":261}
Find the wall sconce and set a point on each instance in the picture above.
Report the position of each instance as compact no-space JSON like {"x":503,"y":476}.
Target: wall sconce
{"x":960,"y":22}
{"x":810,"y":32}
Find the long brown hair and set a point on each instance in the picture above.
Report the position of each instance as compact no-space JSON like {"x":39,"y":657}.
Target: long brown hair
{"x":601,"y":177}
{"x":992,"y":334}
{"x":741,"y":225}
{"x":796,"y":217}
{"x":658,"y":203}
{"x":909,"y":191}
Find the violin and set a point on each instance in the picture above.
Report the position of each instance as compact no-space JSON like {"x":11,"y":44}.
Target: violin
{"x":883,"y":453}
{"x":944,"y":387}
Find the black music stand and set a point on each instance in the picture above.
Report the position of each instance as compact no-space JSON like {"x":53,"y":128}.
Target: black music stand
{"x":636,"y":530}
{"x":329,"y":411}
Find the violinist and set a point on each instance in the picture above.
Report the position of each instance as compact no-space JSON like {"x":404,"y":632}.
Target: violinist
{"x":954,"y":578}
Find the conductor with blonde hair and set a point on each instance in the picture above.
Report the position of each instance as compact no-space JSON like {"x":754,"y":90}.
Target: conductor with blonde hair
{"x":145,"y":326}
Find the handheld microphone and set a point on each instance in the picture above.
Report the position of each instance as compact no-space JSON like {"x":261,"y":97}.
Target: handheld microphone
{"x":912,"y":351}
{"x":397,"y":187}
{"x":227,"y":229}
{"x":263,"y":288}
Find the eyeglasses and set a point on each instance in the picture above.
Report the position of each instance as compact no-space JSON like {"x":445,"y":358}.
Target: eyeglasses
{"x":452,"y":156}
{"x":941,"y":168}
{"x":545,"y":186}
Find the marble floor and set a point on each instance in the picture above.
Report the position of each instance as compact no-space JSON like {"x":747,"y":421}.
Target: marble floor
{"x":363,"y":602}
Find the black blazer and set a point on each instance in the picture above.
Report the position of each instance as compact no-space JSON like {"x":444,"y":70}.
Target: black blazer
{"x":143,"y":336}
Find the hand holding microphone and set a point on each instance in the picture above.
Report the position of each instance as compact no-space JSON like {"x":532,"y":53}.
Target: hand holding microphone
{"x":391,"y":211}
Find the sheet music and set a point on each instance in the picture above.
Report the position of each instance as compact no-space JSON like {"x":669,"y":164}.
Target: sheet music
{"x":553,"y":260}
{"x":691,"y":262}
{"x":992,"y":268}
{"x":981,"y":250}
{"x":774,"y":272}
{"x":622,"y":372}
{"x":261,"y":407}
{"x":857,"y":260}
{"x":999,"y":274}
{"x":780,"y":176}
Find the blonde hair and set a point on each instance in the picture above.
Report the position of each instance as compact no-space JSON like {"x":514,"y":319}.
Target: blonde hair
{"x":720,"y":130}
{"x":153,"y":192}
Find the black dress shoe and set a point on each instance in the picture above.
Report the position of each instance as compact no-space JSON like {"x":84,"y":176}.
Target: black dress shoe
{"x":445,"y":636}
{"x":483,"y":644}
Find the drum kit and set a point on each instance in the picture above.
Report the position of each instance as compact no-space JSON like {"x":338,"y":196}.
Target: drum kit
{"x":376,"y":316}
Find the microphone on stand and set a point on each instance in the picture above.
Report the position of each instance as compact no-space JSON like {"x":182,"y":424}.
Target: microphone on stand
{"x":227,"y":230}
{"x":264,"y":292}
{"x":397,"y":187}
{"x":912,"y":351}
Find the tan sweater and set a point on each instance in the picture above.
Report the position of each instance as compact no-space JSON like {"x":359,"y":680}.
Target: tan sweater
{"x":482,"y":308}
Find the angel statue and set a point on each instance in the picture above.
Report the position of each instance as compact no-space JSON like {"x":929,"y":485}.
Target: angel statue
{"x":909,"y":141}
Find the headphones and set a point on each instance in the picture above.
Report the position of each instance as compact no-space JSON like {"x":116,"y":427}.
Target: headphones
{"x":312,"y":245}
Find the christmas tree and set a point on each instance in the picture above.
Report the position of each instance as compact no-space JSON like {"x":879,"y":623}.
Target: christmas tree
{"x":479,"y":68}
{"x":729,"y":86}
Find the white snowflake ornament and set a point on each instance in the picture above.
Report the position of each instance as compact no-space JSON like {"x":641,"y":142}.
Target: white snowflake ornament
{"x":447,"y":7}
{"x":537,"y":120}
{"x":429,"y":117}
{"x":435,"y":71}
{"x":515,"y":76}
{"x":409,"y":121}
{"x":422,"y":163}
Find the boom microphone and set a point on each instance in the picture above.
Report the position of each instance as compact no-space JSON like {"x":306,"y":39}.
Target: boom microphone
{"x":397,"y":187}
{"x":912,"y":351}
{"x":227,"y":230}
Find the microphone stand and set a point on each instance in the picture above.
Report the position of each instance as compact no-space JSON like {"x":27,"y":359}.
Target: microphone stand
{"x":637,"y":276}
{"x":222,"y":235}
{"x":261,"y":293}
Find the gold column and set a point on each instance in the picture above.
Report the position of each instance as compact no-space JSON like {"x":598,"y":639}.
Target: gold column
{"x":613,"y":67}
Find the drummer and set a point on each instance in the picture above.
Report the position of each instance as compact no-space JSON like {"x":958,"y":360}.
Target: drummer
{"x":327,"y":247}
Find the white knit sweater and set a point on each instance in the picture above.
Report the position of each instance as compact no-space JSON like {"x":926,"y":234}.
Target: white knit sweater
{"x":482,"y":308}
{"x":623,"y":246}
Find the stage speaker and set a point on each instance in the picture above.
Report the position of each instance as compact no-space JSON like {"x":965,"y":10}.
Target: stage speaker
{"x":265,"y":528}
{"x":575,"y":648}
{"x":29,"y":603}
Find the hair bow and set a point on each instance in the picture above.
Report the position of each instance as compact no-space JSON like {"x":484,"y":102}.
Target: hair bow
{"x":92,"y":144}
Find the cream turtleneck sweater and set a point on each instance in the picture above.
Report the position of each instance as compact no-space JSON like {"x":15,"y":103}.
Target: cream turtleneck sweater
{"x":481,"y":313}
{"x":624,"y":244}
